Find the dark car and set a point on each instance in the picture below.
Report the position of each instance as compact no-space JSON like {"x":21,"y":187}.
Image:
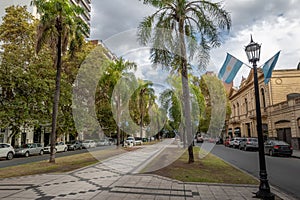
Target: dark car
{"x":278,"y":147}
{"x":249,"y":143}
{"x":74,"y":145}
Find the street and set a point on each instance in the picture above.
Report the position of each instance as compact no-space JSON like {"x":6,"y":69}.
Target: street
{"x":23,"y":160}
{"x":283,"y":172}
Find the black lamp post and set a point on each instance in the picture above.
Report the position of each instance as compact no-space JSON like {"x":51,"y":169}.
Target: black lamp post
{"x":253,"y":54}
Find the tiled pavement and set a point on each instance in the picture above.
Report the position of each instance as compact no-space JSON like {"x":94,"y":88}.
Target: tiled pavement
{"x":111,"y":180}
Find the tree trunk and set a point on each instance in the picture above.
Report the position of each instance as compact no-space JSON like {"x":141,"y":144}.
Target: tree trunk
{"x":57,"y":92}
{"x":118,"y":120}
{"x":141,"y":103}
{"x":186,"y":91}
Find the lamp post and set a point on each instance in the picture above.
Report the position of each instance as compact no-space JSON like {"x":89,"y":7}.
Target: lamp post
{"x":253,"y":54}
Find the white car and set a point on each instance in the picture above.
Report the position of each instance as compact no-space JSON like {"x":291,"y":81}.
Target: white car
{"x":130,"y":140}
{"x":6,"y":151}
{"x":103,"y":142}
{"x":138,"y":141}
{"x":88,"y":144}
{"x":59,"y":147}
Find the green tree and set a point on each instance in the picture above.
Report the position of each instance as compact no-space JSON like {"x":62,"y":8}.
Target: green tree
{"x":109,"y":95}
{"x":217,"y":107}
{"x":25,"y":79}
{"x":62,"y":29}
{"x":173,"y":20}
{"x":140,"y":104}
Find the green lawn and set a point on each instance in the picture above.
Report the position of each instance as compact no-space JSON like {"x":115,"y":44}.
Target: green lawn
{"x":209,"y":169}
{"x":63,"y":164}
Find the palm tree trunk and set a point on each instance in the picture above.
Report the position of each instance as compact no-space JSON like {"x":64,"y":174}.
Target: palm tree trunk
{"x":118,"y":120}
{"x":141,"y":102}
{"x":57,"y":93}
{"x":186,"y":91}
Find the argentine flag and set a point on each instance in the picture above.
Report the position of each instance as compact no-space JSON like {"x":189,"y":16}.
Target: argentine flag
{"x":230,"y":68}
{"x":269,"y":66}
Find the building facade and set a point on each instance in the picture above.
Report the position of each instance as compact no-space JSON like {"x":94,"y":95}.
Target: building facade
{"x":86,"y":6}
{"x":280,"y":107}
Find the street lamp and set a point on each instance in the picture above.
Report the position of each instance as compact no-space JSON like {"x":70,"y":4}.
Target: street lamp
{"x":253,"y":54}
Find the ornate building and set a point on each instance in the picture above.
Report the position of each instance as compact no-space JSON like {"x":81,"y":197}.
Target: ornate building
{"x":280,"y":107}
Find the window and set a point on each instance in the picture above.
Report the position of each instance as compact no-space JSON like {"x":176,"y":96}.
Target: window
{"x":233,"y":113}
{"x":246,"y":105}
{"x":263,"y":97}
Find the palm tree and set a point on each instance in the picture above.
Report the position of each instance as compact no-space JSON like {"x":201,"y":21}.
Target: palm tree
{"x":62,"y":29}
{"x":146,"y":98}
{"x":115,"y":72}
{"x":141,"y":102}
{"x":174,"y":30}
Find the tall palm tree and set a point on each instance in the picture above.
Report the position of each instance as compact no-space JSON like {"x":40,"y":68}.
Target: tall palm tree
{"x":115,"y":72}
{"x":141,"y":102}
{"x":62,"y":29}
{"x":175,"y":30}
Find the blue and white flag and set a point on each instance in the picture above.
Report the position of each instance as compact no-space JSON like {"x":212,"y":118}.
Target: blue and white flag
{"x":269,"y":66}
{"x":230,"y":68}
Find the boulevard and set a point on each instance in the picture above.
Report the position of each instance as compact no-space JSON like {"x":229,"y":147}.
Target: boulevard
{"x":23,"y":160}
{"x":283,"y":172}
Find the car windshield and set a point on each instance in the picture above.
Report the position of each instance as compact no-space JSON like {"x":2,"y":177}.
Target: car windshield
{"x":253,"y":140}
{"x":129,"y":138}
{"x":25,"y":146}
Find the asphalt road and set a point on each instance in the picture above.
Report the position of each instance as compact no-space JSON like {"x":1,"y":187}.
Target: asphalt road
{"x":283,"y":172}
{"x":23,"y":160}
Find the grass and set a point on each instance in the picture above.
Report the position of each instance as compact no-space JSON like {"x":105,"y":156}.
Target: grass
{"x":63,"y":164}
{"x":209,"y":169}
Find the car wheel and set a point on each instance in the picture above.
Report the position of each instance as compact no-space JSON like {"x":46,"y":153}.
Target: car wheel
{"x":41,"y":152}
{"x":9,"y":156}
{"x":26,"y":154}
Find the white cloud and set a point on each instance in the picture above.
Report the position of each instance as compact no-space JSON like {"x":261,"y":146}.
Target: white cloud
{"x":275,"y":24}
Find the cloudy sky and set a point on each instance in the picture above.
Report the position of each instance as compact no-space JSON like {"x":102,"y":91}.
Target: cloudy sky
{"x":273,"y":23}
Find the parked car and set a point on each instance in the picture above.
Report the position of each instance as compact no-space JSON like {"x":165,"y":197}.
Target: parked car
{"x":226,"y":143}
{"x":231,"y":142}
{"x":74,"y":145}
{"x":59,"y":147}
{"x":249,"y":143}
{"x":103,"y":142}
{"x":219,"y":140}
{"x":88,"y":144}
{"x":235,"y":143}
{"x":130,"y":140}
{"x":278,"y":147}
{"x":6,"y":151}
{"x":30,"y":149}
{"x":138,"y":141}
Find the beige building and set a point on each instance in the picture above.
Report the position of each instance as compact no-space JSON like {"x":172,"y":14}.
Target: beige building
{"x":280,"y":107}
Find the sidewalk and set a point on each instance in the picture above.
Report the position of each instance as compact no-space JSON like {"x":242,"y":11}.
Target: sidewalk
{"x":296,"y":153}
{"x":118,"y":179}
